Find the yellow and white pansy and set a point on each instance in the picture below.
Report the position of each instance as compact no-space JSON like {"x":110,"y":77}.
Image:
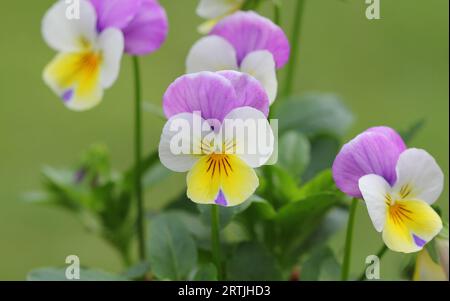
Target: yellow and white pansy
{"x":88,"y":61}
{"x":402,"y":212}
{"x":219,"y":159}
{"x":214,"y":10}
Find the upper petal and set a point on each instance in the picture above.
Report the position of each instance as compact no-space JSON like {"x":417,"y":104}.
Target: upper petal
{"x":374,"y":190}
{"x":368,"y":153}
{"x":111,"y":46}
{"x":248,"y":31}
{"x":211,"y":53}
{"x":391,"y":134}
{"x":261,"y":65}
{"x":211,"y":9}
{"x":148,"y":29}
{"x":67,"y":34}
{"x":115,"y":13}
{"x":419,"y":176}
{"x":249,"y":91}
{"x":209,"y":93}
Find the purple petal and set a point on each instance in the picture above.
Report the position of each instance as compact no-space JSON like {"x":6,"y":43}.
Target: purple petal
{"x":115,"y":13}
{"x":67,"y":95}
{"x":391,"y":134}
{"x":214,"y":94}
{"x":148,"y":30}
{"x":220,"y":200}
{"x":419,"y":241}
{"x":369,"y":153}
{"x":249,"y":91}
{"x":248,"y":31}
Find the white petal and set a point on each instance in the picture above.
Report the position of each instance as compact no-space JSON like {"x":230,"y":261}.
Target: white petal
{"x":374,"y":190}
{"x":181,"y":141}
{"x":420,"y":175}
{"x":210,"y":9}
{"x":246,"y":132}
{"x":261,"y":65}
{"x":111,"y":44}
{"x":211,"y":53}
{"x":63,"y":33}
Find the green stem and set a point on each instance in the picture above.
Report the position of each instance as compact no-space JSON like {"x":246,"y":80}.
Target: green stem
{"x":138,"y":158}
{"x":215,"y":240}
{"x":276,"y":13}
{"x":380,"y":255}
{"x":296,"y":29}
{"x":348,"y":241}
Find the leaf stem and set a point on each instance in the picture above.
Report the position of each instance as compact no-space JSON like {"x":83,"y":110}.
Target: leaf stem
{"x":348,"y":241}
{"x":276,"y":12}
{"x":296,"y":30}
{"x":380,"y":255}
{"x":138,"y":157}
{"x":215,"y":240}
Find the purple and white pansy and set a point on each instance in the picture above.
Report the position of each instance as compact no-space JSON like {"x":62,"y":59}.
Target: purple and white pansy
{"x":243,"y":41}
{"x":397,"y":184}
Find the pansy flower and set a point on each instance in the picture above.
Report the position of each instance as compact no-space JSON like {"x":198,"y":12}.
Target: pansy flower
{"x":143,"y":23}
{"x":397,"y":184}
{"x":88,"y":61}
{"x":246,"y":42}
{"x":219,"y":165}
{"x":215,"y":10}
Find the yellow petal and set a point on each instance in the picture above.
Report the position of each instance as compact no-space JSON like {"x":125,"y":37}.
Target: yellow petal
{"x":239,"y":182}
{"x":227,"y":173}
{"x":75,"y":77}
{"x":203,"y":181}
{"x":410,"y":224}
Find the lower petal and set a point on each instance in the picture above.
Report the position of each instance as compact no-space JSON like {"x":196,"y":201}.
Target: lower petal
{"x":239,"y":182}
{"x":75,"y":78}
{"x":203,"y":181}
{"x":410,"y":224}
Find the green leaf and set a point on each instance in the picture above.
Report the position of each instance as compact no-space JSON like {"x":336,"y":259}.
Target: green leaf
{"x":294,"y":152}
{"x":137,"y":271}
{"x":314,"y":114}
{"x":251,"y":261}
{"x":282,"y":186}
{"x":59,"y":274}
{"x":321,"y":265}
{"x":172,"y":251}
{"x":296,"y":221}
{"x":323,"y":182}
{"x":206,"y":272}
{"x":412,"y":131}
{"x":432,"y":250}
{"x":324,"y":149}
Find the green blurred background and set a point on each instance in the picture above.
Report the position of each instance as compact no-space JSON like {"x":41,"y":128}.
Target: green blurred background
{"x":392,"y":71}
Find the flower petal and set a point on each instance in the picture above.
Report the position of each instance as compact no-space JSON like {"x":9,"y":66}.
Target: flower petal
{"x":211,"y":53}
{"x":368,"y":153}
{"x":249,"y":91}
{"x":239,"y":183}
{"x":115,"y":13}
{"x":211,"y":9}
{"x":203,"y":182}
{"x":75,"y":77}
{"x":419,"y":176}
{"x":181,"y":141}
{"x":391,"y":134}
{"x":248,"y":31}
{"x":148,"y":30}
{"x":111,"y":44}
{"x":375,"y":190}
{"x":426,"y":269}
{"x":69,"y":35}
{"x":247,"y":133}
{"x":261,"y":65}
{"x":207,"y":92}
{"x":410,"y":225}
